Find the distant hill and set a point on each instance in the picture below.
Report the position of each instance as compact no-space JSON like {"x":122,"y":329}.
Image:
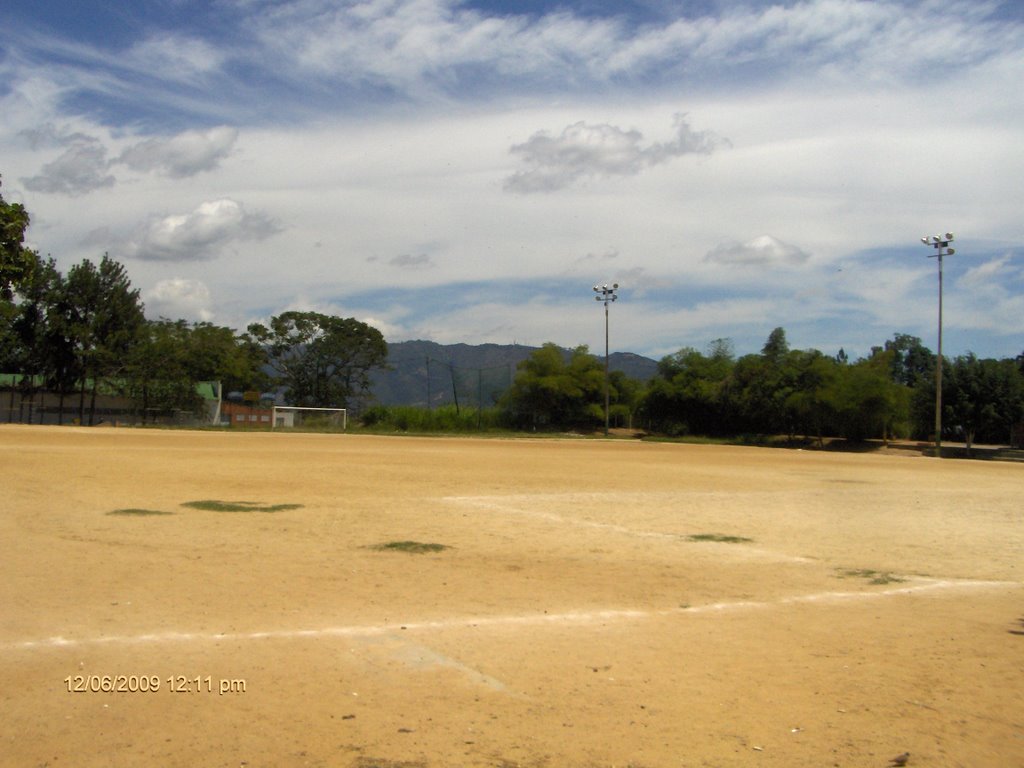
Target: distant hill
{"x":470,"y":373}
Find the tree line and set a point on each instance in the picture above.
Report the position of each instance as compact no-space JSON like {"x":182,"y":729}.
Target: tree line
{"x":779,"y":391}
{"x":85,"y":332}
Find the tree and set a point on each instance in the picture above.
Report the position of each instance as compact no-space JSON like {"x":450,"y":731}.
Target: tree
{"x":16,"y":261}
{"x":172,"y":356}
{"x":686,"y":396}
{"x":983,"y":399}
{"x":32,"y":342}
{"x":321,"y":360}
{"x":217,"y":353}
{"x":911,"y":361}
{"x":760,"y":387}
{"x":550,"y":391}
{"x":810,"y":403}
{"x":65,"y":364}
{"x":158,"y":377}
{"x":103,"y":317}
{"x":624,"y":396}
{"x":30,"y":337}
{"x":776,"y":346}
{"x":866,"y":400}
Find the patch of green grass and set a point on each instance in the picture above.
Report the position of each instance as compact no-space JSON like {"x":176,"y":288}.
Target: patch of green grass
{"x":720,"y":538}
{"x":213,"y":505}
{"x":136,"y":512}
{"x":376,"y":762}
{"x":873,"y":577}
{"x":415,"y":547}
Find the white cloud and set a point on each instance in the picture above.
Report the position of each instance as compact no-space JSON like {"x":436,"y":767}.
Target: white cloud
{"x":176,"y":57}
{"x":49,"y":135}
{"x":81,"y":169}
{"x":987,"y":297}
{"x":763,"y":251}
{"x":424,"y":49}
{"x":582,"y":151}
{"x":178,"y":297}
{"x":200,"y":234}
{"x":989,"y":272}
{"x":383,"y":127}
{"x":822,"y":39}
{"x":184,"y":155}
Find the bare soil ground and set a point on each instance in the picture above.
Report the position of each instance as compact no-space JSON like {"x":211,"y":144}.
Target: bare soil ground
{"x":573,"y":620}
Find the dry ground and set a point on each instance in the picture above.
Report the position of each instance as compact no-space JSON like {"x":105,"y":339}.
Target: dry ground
{"x":573,"y":622}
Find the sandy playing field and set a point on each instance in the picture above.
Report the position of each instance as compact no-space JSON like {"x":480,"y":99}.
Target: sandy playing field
{"x":573,"y":620}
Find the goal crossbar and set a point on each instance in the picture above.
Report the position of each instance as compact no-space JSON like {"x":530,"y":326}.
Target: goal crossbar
{"x":284,"y":415}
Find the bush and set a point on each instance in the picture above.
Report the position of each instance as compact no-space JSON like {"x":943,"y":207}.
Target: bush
{"x":410,"y":418}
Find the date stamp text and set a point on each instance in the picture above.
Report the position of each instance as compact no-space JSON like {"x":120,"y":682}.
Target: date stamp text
{"x":194,"y":684}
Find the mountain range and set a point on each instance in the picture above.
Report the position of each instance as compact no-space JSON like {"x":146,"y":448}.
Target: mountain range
{"x":422,"y":372}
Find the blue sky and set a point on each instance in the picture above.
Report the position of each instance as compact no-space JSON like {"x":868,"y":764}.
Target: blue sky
{"x":467,"y":171}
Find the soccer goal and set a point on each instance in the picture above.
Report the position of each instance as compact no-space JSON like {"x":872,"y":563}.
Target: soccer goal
{"x":300,"y":417}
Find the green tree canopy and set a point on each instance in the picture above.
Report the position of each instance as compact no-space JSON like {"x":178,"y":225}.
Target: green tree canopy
{"x":776,"y":345}
{"x":911,"y":360}
{"x":810,"y":399}
{"x":158,"y":374}
{"x":218,"y":353}
{"x":171,"y":356}
{"x":687,"y":395}
{"x":16,"y":261}
{"x":867,"y":402}
{"x":102,"y":320}
{"x":780,"y":391}
{"x":983,"y":399}
{"x":28,"y":341}
{"x":321,"y":360}
{"x":550,"y":391}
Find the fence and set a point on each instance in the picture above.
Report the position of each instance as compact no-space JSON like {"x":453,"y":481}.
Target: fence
{"x":33,"y":405}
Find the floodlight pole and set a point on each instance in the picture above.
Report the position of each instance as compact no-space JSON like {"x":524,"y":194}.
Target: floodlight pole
{"x":941,"y":245}
{"x":606,"y":294}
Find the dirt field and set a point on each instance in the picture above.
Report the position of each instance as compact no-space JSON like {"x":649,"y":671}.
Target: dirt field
{"x":573,"y":621}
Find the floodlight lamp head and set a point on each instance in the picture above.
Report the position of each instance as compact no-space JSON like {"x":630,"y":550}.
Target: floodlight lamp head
{"x":923,"y":240}
{"x":949,"y":236}
{"x":615,"y":287}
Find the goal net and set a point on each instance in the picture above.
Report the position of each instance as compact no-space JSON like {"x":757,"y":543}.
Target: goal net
{"x":300,"y":417}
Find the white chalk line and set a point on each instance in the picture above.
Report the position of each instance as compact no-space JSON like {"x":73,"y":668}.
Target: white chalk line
{"x":537,"y":619}
{"x":512,"y":505}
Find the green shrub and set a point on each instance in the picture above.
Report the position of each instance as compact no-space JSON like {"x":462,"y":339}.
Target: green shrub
{"x":413,"y":547}
{"x":214,"y":505}
{"x":138,"y":512}
{"x":411,"y":418}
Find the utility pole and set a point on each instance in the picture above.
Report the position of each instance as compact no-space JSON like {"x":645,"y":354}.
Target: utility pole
{"x":941,"y":245}
{"x":606,"y":294}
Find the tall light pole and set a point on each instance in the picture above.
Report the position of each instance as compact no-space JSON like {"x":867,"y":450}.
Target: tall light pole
{"x":606,"y":294}
{"x":941,"y":245}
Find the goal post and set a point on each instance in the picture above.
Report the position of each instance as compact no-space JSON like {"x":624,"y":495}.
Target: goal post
{"x":302,"y":417}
